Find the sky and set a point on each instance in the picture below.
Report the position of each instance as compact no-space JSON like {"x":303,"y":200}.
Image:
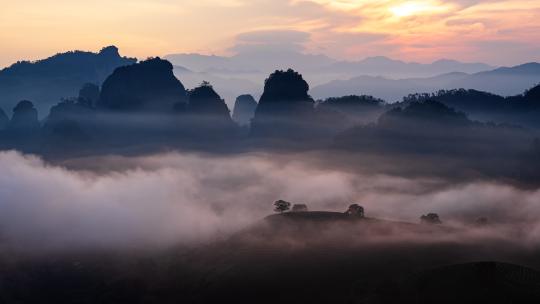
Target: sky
{"x":499,"y":32}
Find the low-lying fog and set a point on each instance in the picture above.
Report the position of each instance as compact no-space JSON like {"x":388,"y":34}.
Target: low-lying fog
{"x":168,"y":199}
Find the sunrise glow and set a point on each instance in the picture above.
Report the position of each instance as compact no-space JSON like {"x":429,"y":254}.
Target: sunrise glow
{"x":420,"y":30}
{"x":408,"y":9}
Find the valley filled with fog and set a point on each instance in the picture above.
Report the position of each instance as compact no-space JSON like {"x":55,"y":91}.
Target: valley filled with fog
{"x":136,"y":177}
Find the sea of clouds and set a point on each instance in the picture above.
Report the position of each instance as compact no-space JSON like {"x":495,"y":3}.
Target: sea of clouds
{"x":186,"y":198}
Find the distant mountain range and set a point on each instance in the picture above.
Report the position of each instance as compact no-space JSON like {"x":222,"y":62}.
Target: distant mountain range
{"x":501,"y":81}
{"x":252,"y":62}
{"x":244,"y":72}
{"x":383,"y":66}
{"x":249,"y":63}
{"x":381,"y":77}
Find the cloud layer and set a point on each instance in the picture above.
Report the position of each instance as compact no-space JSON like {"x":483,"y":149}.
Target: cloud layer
{"x":421,"y":30}
{"x":174,"y":198}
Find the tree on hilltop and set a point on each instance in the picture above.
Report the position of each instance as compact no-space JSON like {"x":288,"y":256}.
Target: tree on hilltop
{"x":281,"y":206}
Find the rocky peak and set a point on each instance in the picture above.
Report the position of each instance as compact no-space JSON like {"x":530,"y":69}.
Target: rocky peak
{"x":203,"y":100}
{"x":244,"y":109}
{"x":145,"y":86}
{"x":110,"y":51}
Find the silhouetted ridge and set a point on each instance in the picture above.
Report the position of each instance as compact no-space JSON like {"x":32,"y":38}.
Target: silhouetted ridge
{"x":285,"y":94}
{"x":356,"y":109}
{"x":526,"y":68}
{"x":73,"y":63}
{"x":420,"y":113}
{"x":109,"y":52}
{"x":519,"y":110}
{"x":504,"y":81}
{"x":533,"y":95}
{"x":149,"y":85}
{"x":206,"y":117}
{"x":285,"y":106}
{"x":244,"y":109}
{"x":203,"y":100}
{"x":434,"y":129}
{"x":48,"y":80}
{"x":25,"y":117}
{"x":352,"y":103}
{"x":461,"y":99}
{"x":285,"y":86}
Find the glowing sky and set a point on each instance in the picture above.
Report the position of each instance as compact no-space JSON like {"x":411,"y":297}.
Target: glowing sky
{"x":494,"y":31}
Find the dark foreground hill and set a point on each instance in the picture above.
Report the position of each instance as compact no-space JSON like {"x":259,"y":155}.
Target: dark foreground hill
{"x":481,"y":282}
{"x":314,"y":257}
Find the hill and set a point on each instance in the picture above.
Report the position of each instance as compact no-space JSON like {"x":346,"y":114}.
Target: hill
{"x":487,"y":282}
{"x":522,"y":109}
{"x":148,"y":86}
{"x":429,"y":138}
{"x":228,"y":86}
{"x":46,"y":81}
{"x":305,"y":257}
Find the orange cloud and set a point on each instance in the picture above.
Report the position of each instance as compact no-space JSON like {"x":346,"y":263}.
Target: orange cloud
{"x":431,"y":29}
{"x":420,"y":30}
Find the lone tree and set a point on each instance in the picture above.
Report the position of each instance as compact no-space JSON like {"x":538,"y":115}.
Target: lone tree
{"x":299,"y":208}
{"x":430,"y":218}
{"x":281,"y":206}
{"x":355,"y":210}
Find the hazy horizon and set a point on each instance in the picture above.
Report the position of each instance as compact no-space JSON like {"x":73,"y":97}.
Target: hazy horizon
{"x":495,"y":32}
{"x":230,"y":55}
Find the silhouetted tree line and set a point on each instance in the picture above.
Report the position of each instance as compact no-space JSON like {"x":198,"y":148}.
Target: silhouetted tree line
{"x":432,"y":128}
{"x":522,"y":109}
{"x":354,"y":109}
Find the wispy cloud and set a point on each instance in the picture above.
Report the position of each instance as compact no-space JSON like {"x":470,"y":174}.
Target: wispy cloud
{"x":343,"y":28}
{"x":444,"y":28}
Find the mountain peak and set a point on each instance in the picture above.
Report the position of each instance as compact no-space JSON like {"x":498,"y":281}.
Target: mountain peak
{"x":380,"y":60}
{"x":111,"y":51}
{"x":528,"y":68}
{"x":444,"y":61}
{"x":148,"y":85}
